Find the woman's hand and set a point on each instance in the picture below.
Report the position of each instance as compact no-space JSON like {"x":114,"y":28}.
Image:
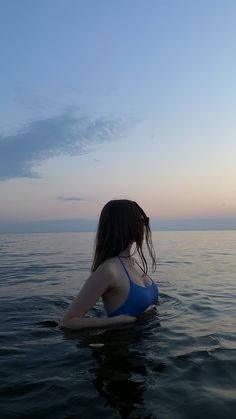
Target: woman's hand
{"x":148,"y":313}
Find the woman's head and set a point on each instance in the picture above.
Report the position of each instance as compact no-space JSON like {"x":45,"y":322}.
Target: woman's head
{"x":122,"y":222}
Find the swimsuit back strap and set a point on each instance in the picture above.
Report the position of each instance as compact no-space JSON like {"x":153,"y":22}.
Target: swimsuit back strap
{"x":126,"y":271}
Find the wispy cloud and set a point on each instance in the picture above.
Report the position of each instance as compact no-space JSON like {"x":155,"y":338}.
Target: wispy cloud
{"x":68,"y":133}
{"x":70,"y":198}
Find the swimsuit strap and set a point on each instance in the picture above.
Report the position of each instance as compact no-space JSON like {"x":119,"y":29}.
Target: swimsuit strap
{"x":126,"y":271}
{"x":139,"y":266}
{"x":143,"y":270}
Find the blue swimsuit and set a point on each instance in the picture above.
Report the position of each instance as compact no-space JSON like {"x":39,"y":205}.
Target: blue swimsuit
{"x":139,"y":298}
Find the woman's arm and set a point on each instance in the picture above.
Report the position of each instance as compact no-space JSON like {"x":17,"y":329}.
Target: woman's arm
{"x":95,"y":286}
{"x":76,"y":323}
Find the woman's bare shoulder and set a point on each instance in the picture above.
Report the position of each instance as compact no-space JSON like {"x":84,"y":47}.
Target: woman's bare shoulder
{"x":107,"y":271}
{"x":109,"y":266}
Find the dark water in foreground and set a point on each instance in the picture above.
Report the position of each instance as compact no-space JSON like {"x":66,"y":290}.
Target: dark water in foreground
{"x":179,"y":364}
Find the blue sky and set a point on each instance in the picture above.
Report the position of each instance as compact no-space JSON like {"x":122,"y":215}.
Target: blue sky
{"x":117,"y":99}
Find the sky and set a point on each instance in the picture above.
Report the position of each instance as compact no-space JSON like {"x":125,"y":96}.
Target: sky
{"x":109,"y":99}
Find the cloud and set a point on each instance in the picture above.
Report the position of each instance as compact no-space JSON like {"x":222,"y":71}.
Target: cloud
{"x":70,"y":198}
{"x":67,"y":133}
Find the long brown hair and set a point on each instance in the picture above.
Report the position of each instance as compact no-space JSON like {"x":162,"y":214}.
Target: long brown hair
{"x":121,"y":222}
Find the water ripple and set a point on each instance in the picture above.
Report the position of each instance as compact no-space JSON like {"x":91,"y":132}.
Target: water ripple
{"x":179,"y":363}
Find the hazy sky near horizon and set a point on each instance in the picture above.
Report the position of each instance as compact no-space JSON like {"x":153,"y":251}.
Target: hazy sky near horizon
{"x":104,"y":99}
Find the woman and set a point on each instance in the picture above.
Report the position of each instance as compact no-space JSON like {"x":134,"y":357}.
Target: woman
{"x":124,"y":286}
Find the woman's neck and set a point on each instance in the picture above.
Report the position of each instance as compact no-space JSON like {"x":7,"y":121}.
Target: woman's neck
{"x":125,"y":253}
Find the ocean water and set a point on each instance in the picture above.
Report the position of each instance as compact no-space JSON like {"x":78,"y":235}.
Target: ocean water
{"x":178,"y":364}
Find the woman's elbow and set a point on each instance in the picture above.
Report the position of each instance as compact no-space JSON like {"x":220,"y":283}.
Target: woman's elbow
{"x":70,"y":323}
{"x":64,"y":323}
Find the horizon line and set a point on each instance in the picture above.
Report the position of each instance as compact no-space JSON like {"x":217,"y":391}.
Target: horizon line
{"x":90,"y":225}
